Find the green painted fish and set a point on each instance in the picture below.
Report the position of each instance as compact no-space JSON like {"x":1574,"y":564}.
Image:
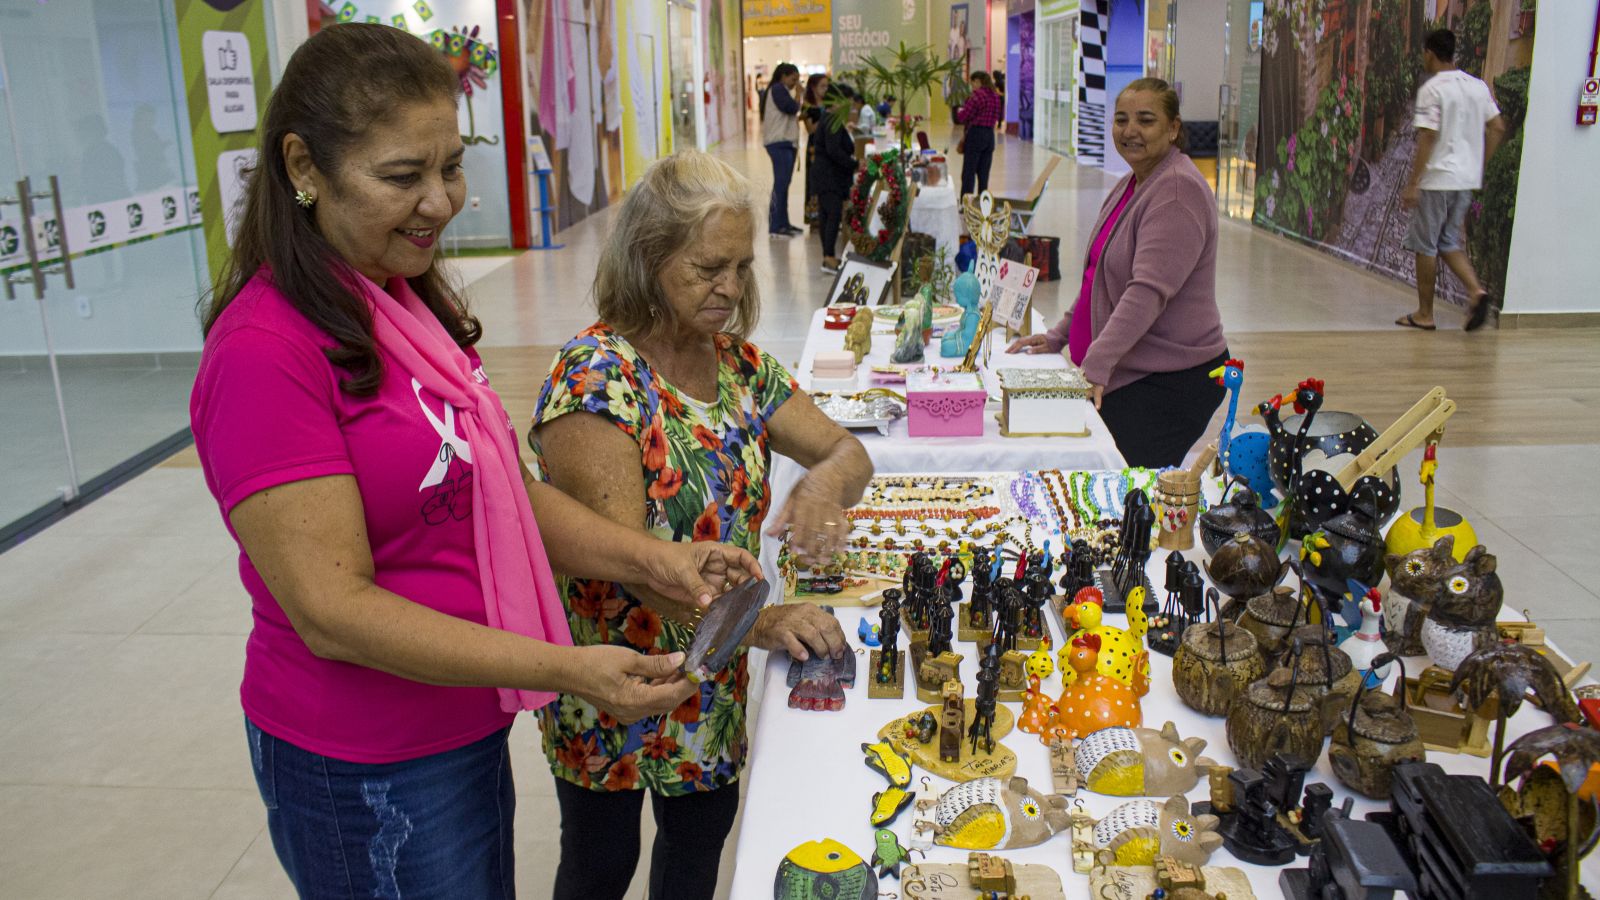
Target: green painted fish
{"x":824,"y":870}
{"x":889,"y":854}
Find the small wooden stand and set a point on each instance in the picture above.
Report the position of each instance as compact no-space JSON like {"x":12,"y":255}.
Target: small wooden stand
{"x":965,"y":632}
{"x":931,"y":674}
{"x":1013,"y":685}
{"x":1000,"y":763}
{"x":952,"y":881}
{"x":1138,"y":882}
{"x":894,"y":688}
{"x":1063,"y":767}
{"x":1443,"y":725}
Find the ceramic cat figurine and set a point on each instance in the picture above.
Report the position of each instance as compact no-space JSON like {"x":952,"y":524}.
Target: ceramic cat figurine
{"x":1459,"y":599}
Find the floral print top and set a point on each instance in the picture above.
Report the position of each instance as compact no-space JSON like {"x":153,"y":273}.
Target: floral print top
{"x":705,"y":475}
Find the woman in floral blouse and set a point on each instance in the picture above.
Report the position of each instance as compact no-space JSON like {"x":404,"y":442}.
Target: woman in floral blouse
{"x":677,"y":418}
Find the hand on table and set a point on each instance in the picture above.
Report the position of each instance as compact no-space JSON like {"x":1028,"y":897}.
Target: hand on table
{"x":800,"y":628}
{"x":630,"y":685}
{"x":816,"y":522}
{"x":1033,"y":343}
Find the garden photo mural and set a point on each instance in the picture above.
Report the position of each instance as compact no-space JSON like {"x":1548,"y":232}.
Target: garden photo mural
{"x":1334,"y":140}
{"x":574,"y":101}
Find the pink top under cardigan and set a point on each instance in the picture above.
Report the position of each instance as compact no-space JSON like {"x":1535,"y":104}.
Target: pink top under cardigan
{"x":1152,"y":303}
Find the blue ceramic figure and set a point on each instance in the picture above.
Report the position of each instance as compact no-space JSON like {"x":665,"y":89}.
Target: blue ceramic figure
{"x":957,"y":340}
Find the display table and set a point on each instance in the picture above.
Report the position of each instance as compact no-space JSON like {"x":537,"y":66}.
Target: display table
{"x":806,"y":780}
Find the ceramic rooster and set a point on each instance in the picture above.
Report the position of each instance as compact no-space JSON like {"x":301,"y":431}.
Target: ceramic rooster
{"x":1242,"y":451}
{"x":1094,"y":700}
{"x":1038,"y":710}
{"x":1122,"y":655}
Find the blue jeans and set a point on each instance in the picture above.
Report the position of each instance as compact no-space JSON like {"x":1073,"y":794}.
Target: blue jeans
{"x":783,"y":156}
{"x":438,"y":826}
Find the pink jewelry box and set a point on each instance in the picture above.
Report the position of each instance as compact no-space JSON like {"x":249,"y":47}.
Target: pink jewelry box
{"x":944,"y":404}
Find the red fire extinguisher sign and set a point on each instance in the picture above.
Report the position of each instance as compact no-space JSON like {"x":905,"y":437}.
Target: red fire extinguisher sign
{"x":1589,"y":101}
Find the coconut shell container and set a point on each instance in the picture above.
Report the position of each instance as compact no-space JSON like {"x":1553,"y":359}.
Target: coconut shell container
{"x":1240,"y":511}
{"x":1377,"y":735}
{"x":1215,"y":664}
{"x":1275,"y":715}
{"x":1271,"y":616}
{"x":1324,"y":671}
{"x":1348,"y":546}
{"x":1244,"y":566}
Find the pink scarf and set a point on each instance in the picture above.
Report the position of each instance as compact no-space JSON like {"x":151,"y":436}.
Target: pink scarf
{"x":519,"y":592}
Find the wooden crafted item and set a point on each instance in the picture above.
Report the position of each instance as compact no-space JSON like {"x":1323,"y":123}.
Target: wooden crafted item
{"x":1139,"y":882}
{"x":1443,"y":725}
{"x":1000,"y":762}
{"x":954,"y":881}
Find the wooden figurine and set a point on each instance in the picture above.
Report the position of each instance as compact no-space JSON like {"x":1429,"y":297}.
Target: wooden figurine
{"x":887,"y":805}
{"x":824,"y":870}
{"x":905,"y":735}
{"x":887,"y":854}
{"x":1140,"y":762}
{"x":1166,"y":626}
{"x":1093,"y":700}
{"x":952,"y":722}
{"x":1559,"y":797}
{"x":1503,"y":674}
{"x":882,"y":758}
{"x":1169,"y":879}
{"x":991,"y":814}
{"x":858,"y":337}
{"x":1215,"y":664}
{"x":956,"y":881}
{"x":1355,"y":860}
{"x":1063,"y":767}
{"x":1242,"y":451}
{"x":975,"y":622}
{"x":1443,"y":723}
{"x":1455,"y":826}
{"x":819,"y":683}
{"x":1378,"y":735}
{"x":1347,"y":547}
{"x":1365,"y":644}
{"x":888,"y":677}
{"x":1127,"y":569}
{"x":1245,"y":566}
{"x":1139,"y":831}
{"x":1424,"y":525}
{"x":1079,"y":567}
{"x":932,"y":671}
{"x":1457,"y":602}
{"x":980,"y":731}
{"x":1122,"y":654}
{"x":1038,"y":710}
{"x":1325,"y":672}
{"x":1251,"y":831}
{"x":1275,"y":715}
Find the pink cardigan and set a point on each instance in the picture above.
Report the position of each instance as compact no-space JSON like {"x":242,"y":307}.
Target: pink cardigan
{"x":1153,"y":303}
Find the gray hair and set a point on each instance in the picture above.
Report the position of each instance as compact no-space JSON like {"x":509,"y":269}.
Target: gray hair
{"x":662,"y":215}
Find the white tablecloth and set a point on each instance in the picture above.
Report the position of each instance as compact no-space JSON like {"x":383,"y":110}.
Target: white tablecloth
{"x":805,"y":779}
{"x":936,"y":213}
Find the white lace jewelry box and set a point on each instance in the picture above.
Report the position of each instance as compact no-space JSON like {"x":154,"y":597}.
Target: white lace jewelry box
{"x":944,"y":404}
{"x":1043,"y":402}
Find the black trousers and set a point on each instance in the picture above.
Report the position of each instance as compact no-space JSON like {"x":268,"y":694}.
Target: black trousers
{"x":976,"y":159}
{"x":830,"y":205}
{"x":1156,"y":419}
{"x":600,"y":842}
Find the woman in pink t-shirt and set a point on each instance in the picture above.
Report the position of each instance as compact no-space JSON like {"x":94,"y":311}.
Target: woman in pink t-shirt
{"x":1145,"y":327}
{"x":404,"y":604}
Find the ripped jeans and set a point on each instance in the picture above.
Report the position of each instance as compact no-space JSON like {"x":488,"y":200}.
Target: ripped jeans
{"x":438,"y":826}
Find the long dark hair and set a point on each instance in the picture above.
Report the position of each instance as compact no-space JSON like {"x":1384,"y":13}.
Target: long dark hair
{"x":337,"y":86}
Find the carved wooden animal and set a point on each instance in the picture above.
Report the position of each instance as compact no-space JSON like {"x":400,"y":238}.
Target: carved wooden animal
{"x":1141,"y":762}
{"x":990,"y":814}
{"x":1094,"y":700}
{"x":1460,"y":600}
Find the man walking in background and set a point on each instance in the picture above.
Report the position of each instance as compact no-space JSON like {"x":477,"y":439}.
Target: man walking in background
{"x":1458,"y":129}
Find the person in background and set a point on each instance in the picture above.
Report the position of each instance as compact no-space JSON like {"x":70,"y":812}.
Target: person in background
{"x":980,"y":113}
{"x":396,"y":552}
{"x":1145,"y":328}
{"x":662,"y":417}
{"x":1458,"y":129}
{"x":886,"y":107}
{"x":780,"y":134}
{"x":999,"y":83}
{"x":836,"y":170}
{"x":866,"y":118}
{"x":811,"y":115}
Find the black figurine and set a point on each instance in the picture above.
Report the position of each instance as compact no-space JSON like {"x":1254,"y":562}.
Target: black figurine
{"x":1079,"y":572}
{"x":982,"y":589}
{"x":889,"y":636}
{"x":984,"y":705}
{"x":940,"y":617}
{"x":1250,"y":830}
{"x":1037,"y":594}
{"x":1354,"y":861}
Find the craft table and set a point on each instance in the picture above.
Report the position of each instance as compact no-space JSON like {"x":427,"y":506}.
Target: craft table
{"x":805,"y":778}
{"x":899,"y":452}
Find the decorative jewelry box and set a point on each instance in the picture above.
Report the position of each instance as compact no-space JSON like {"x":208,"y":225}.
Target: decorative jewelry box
{"x":1041,"y":402}
{"x":945,"y":404}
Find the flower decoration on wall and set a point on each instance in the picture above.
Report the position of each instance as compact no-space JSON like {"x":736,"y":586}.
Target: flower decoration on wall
{"x":474,"y":62}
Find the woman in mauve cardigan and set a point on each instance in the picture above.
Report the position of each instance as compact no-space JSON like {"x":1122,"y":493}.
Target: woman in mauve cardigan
{"x":1145,"y":328}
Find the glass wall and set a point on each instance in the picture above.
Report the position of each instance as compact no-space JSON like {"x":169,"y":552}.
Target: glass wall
{"x":1058,"y":84}
{"x":1240,"y":107}
{"x":680,"y":67}
{"x":101,"y":256}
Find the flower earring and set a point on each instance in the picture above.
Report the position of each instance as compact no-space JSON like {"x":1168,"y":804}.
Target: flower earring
{"x":306,"y":199}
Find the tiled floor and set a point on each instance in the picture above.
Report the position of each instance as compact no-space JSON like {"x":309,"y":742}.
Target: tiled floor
{"x":123,"y":771}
